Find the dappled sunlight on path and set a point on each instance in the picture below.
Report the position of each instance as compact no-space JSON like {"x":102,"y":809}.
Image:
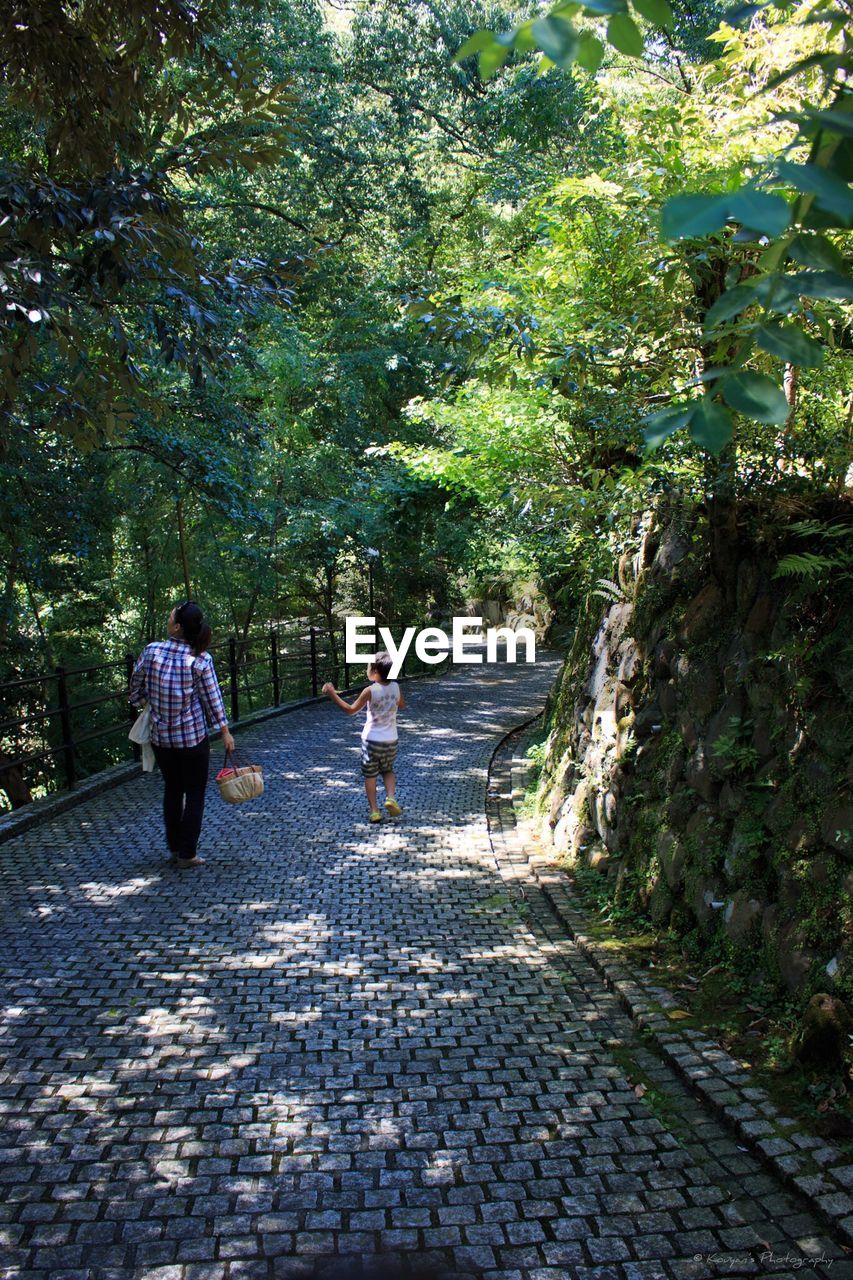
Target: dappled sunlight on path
{"x":334,"y":1041}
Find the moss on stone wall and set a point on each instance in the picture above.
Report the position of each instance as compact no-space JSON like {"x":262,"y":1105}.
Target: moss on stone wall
{"x":699,"y":752}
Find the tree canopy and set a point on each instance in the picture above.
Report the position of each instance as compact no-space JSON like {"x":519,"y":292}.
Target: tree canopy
{"x":459,"y":282}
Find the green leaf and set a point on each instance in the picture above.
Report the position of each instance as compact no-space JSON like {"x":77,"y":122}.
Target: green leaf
{"x":840,"y":122}
{"x":590,"y":52}
{"x":833,"y":193}
{"x":524,"y":40}
{"x":806,"y":564}
{"x":767,"y":214}
{"x":479,"y":41}
{"x":699,"y":214}
{"x":756,"y":396}
{"x":557,"y":38}
{"x":778,"y":292}
{"x":740,"y":15}
{"x":624,"y":34}
{"x":729,"y":305}
{"x":823,"y":284}
{"x":659,"y":426}
{"x":789,"y":343}
{"x":836,"y":17}
{"x":656,"y":11}
{"x":711,"y":425}
{"x":492,"y":59}
{"x":829,"y":61}
{"x":716,"y":371}
{"x":603,"y":8}
{"x":685,"y":217}
{"x":816,"y":218}
{"x":840,"y":161}
{"x":817,"y":252}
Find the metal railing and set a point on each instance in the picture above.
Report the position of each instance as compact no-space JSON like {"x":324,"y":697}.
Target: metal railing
{"x":59,"y":727}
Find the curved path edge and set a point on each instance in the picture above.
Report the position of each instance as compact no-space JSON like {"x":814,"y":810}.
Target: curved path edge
{"x":816,"y":1170}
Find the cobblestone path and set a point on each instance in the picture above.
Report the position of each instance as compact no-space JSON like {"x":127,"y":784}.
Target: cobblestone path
{"x":337,"y":1041}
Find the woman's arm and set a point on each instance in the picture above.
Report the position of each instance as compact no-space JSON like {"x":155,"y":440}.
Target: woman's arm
{"x":212,"y":704}
{"x":137,"y":693}
{"x":349,"y":707}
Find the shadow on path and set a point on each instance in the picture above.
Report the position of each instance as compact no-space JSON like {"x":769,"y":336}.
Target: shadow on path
{"x":334,"y":1041}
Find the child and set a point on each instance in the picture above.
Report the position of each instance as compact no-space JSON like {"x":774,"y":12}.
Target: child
{"x":380,"y":699}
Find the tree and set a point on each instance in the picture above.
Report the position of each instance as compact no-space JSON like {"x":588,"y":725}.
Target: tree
{"x":112,"y":112}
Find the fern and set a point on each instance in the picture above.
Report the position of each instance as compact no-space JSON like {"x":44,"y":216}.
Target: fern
{"x":806,"y":564}
{"x":815,"y":566}
{"x":817,"y":529}
{"x":608,"y":590}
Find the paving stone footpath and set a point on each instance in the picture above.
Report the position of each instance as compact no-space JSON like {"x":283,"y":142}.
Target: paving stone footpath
{"x":337,"y":1042}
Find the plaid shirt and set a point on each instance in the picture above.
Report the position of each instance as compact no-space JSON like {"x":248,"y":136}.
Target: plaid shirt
{"x":181,"y":690}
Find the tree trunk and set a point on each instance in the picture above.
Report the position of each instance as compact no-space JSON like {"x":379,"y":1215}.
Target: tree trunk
{"x":9,"y":598}
{"x":328,"y":613}
{"x":185,"y":564}
{"x":276,"y":523}
{"x":791,"y":383}
{"x":720,"y":470}
{"x":43,"y":636}
{"x":722,"y":521}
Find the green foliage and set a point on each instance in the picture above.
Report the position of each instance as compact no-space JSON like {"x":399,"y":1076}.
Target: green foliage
{"x":561,"y":41}
{"x":756,"y":396}
{"x":745,"y":214}
{"x":218,"y":260}
{"x":619,"y":911}
{"x":608,"y":590}
{"x":824,"y":201}
{"x":733,"y":753}
{"x":815,"y":567}
{"x":806,"y":564}
{"x":117,"y":113}
{"x":298,"y":270}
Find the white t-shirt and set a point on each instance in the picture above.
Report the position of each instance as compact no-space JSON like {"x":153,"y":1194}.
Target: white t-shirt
{"x":381,"y":708}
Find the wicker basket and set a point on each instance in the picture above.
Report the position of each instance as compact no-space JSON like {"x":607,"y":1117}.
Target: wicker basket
{"x":238,"y":783}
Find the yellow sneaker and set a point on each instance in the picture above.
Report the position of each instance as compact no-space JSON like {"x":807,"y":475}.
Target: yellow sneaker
{"x":375,"y":815}
{"x":393,"y":808}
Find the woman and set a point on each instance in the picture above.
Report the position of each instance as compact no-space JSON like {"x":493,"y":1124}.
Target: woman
{"x":177,"y":679}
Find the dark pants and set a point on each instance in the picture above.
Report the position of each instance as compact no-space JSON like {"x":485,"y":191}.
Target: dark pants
{"x":184,"y":772}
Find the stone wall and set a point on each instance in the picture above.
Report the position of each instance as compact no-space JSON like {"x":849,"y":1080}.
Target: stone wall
{"x":519,"y":604}
{"x":699,"y":754}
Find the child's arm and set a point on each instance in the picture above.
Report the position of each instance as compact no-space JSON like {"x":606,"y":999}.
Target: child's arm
{"x":349,"y":707}
{"x":401,"y":702}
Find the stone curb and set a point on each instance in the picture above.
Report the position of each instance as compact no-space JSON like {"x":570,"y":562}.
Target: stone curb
{"x":33,"y":815}
{"x":39,"y":811}
{"x":813,"y":1168}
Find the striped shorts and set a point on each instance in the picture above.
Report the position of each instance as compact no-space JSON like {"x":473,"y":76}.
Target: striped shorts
{"x":377,"y":757}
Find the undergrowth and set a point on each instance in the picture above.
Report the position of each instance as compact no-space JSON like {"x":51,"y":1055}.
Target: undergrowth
{"x":720,"y":992}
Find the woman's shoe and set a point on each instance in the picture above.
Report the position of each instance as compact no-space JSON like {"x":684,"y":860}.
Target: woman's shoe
{"x":189,"y":862}
{"x":392,"y":807}
{"x":375,"y":815}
